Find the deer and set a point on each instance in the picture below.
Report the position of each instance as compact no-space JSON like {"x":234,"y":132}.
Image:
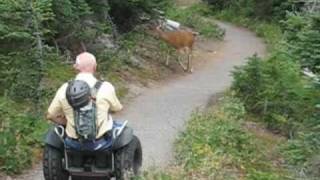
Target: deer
{"x":182,"y":41}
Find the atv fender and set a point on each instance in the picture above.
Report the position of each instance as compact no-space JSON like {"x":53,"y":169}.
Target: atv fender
{"x":123,"y":139}
{"x":53,"y":139}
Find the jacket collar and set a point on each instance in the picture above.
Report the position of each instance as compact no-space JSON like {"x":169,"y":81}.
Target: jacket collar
{"x":88,"y":77}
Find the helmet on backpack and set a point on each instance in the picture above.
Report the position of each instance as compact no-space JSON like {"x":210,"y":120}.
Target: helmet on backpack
{"x":78,"y":94}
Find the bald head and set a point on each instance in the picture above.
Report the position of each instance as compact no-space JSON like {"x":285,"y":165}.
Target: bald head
{"x":86,"y":63}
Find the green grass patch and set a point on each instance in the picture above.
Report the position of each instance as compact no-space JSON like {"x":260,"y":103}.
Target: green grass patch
{"x":218,"y":145}
{"x":21,"y":136}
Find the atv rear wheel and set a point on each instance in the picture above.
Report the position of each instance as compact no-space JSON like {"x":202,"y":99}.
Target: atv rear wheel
{"x":128,"y":160}
{"x":52,"y":164}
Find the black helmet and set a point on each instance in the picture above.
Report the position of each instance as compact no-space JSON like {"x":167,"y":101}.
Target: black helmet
{"x":78,"y":94}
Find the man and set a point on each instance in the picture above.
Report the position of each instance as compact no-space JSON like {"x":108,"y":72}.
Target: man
{"x":62,"y":113}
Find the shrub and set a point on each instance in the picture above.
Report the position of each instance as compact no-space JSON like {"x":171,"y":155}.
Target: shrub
{"x":303,"y":34}
{"x":271,"y":33}
{"x":302,"y":151}
{"x":267,"y":10}
{"x":20,"y":135}
{"x":275,"y":90}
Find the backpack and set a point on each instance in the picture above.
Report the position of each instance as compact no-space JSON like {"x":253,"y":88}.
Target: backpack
{"x":82,"y":99}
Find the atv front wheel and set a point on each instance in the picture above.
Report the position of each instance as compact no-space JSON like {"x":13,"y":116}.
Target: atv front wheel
{"x":52,"y":164}
{"x":128,"y":160}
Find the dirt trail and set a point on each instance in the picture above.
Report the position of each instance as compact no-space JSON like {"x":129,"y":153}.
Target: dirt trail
{"x":160,"y":112}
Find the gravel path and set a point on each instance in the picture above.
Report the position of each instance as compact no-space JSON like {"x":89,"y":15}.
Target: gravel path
{"x":159,"y":113}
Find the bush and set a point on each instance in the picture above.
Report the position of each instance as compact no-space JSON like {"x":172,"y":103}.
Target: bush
{"x":266,"y":10}
{"x":303,"y":35}
{"x":248,"y":81}
{"x":302,"y":151}
{"x":271,"y":33}
{"x":18,"y":133}
{"x":275,"y":90}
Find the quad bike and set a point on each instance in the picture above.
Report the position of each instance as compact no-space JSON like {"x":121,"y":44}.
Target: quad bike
{"x":117,"y":155}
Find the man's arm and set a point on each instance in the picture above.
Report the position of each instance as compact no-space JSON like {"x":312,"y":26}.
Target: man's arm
{"x":115,"y":104}
{"x":55,"y":112}
{"x":59,"y":119}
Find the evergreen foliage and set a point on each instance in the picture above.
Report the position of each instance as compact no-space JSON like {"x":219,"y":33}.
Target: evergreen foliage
{"x":275,"y":90}
{"x":61,"y":25}
{"x":269,"y":9}
{"x":38,"y":39}
{"x":303,"y":39}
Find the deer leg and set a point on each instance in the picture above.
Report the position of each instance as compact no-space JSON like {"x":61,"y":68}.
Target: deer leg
{"x":190,"y":66}
{"x":167,"y":58}
{"x":181,"y":64}
{"x":188,"y":61}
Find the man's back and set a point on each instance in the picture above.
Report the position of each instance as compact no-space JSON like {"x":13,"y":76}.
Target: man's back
{"x":106,"y":100}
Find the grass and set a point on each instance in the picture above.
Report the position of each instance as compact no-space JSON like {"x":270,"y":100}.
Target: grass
{"x":219,"y":144}
{"x":197,"y":17}
{"x":21,"y":137}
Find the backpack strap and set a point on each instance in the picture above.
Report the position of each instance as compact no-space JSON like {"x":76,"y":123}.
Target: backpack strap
{"x":96,"y":88}
{"x":98,"y":84}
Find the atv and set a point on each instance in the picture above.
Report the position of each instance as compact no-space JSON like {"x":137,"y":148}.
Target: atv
{"x":117,"y":154}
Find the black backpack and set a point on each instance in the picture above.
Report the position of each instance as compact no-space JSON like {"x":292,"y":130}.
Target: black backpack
{"x":82,"y":99}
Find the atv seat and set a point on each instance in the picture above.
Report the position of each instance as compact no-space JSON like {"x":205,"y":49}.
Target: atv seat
{"x":102,"y":144}
{"x":89,"y":157}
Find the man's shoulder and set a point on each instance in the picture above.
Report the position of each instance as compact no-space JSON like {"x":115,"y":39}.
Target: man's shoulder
{"x":64,"y":86}
{"x":62,"y":90}
{"x":106,"y":86}
{"x":106,"y":83}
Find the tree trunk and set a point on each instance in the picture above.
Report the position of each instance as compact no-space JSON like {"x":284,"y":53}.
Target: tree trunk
{"x":39,"y":54}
